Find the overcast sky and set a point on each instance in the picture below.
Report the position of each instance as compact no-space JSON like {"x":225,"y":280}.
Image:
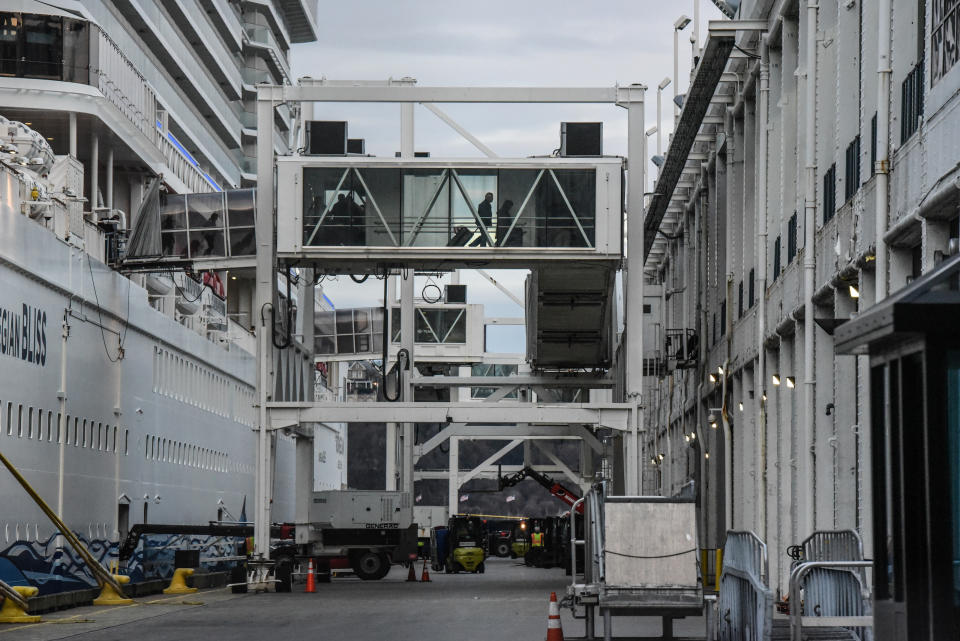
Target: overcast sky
{"x":495,"y":43}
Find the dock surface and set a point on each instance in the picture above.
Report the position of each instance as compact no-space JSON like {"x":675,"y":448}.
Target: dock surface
{"x":508,"y":601}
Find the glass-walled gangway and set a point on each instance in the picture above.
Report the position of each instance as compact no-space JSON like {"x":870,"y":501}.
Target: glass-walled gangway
{"x":356,"y":209}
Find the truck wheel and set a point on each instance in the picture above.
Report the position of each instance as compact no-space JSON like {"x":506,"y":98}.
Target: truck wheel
{"x":283,"y":573}
{"x":371,"y":565}
{"x":503,"y":549}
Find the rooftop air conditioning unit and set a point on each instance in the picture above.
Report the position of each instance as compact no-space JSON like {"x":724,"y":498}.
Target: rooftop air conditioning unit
{"x":455,"y":294}
{"x":326,"y":138}
{"x":581,"y":139}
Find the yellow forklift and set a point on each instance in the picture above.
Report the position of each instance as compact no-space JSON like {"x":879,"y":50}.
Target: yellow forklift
{"x":466,"y":544}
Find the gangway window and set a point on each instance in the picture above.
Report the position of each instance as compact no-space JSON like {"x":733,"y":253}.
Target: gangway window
{"x":447,"y":207}
{"x":360,"y":331}
{"x":207,"y":225}
{"x":443,"y":326}
{"x":439,"y":208}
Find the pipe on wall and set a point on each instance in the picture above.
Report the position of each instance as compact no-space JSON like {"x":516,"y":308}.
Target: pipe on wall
{"x":808,"y":440}
{"x":882,"y":167}
{"x":761,"y":285}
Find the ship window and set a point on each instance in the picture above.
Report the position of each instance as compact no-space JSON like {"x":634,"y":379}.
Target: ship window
{"x":114,"y":438}
{"x":19,"y":421}
{"x":9,"y":32}
{"x":126,"y":442}
{"x":30,"y":422}
{"x":49,"y":426}
{"x":59,"y":427}
{"x":42,"y":46}
{"x":9,"y":418}
{"x":84,"y":432}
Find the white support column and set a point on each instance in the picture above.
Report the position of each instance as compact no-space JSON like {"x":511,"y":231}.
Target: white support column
{"x":633,"y":286}
{"x":406,"y":377}
{"x":391,"y":428}
{"x":406,"y":316}
{"x":304,"y":447}
{"x":94,"y":171}
{"x":453,"y":496}
{"x":73,"y":134}
{"x":109,"y":202}
{"x":264,"y":300}
{"x":406,"y":129}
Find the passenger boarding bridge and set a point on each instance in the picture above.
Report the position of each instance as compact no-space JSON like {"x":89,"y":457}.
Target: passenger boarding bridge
{"x":562,"y":218}
{"x":360,"y":214}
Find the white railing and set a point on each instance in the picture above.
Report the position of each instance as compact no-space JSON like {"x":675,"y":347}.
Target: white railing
{"x":120,"y":82}
{"x":182,"y":167}
{"x":263,"y":37}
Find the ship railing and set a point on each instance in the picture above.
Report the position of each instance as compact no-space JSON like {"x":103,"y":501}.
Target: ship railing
{"x":124,"y":87}
{"x":184,"y":168}
{"x":262,"y":37}
{"x":121,"y":84}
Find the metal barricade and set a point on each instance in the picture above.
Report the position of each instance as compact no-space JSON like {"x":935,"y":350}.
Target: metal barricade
{"x":745,"y":603}
{"x":832,"y":579}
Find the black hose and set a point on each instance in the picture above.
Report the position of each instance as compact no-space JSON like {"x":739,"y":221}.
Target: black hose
{"x":359,"y":280}
{"x":288,"y":339}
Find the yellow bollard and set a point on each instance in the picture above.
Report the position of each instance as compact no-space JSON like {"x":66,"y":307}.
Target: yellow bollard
{"x":109,"y":596}
{"x":178,"y":584}
{"x":10,"y":612}
{"x":718,"y":569}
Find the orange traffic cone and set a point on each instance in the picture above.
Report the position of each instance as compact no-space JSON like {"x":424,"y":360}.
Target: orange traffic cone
{"x":311,"y":579}
{"x":554,"y":629}
{"x":412,"y":574}
{"x":425,"y":576}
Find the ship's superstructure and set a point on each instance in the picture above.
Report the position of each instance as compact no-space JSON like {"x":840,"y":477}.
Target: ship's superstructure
{"x":821,"y":179}
{"x":128,"y":399}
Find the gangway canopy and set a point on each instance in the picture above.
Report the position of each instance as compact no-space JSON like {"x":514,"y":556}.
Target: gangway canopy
{"x":209,"y":229}
{"x":358,"y":214}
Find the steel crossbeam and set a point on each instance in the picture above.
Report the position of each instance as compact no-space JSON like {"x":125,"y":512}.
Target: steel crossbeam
{"x":610,"y":415}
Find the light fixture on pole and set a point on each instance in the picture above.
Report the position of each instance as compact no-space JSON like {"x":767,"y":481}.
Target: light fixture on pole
{"x":678,"y":26}
{"x":775,"y":378}
{"x":854,"y":292}
{"x":791,"y":382}
{"x":663,"y":85}
{"x":646,"y":146}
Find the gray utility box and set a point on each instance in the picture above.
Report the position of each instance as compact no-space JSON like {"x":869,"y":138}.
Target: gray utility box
{"x":361,"y":509}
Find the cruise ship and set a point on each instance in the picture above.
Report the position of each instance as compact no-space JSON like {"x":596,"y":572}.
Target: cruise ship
{"x":126,"y":397}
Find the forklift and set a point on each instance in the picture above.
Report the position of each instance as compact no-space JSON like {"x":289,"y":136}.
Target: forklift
{"x":466,"y":544}
{"x":521,"y":540}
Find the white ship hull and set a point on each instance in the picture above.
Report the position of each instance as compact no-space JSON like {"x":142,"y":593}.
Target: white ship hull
{"x":166,"y":430}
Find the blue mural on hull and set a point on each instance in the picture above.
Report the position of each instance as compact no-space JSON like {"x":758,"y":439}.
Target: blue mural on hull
{"x":52,"y":570}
